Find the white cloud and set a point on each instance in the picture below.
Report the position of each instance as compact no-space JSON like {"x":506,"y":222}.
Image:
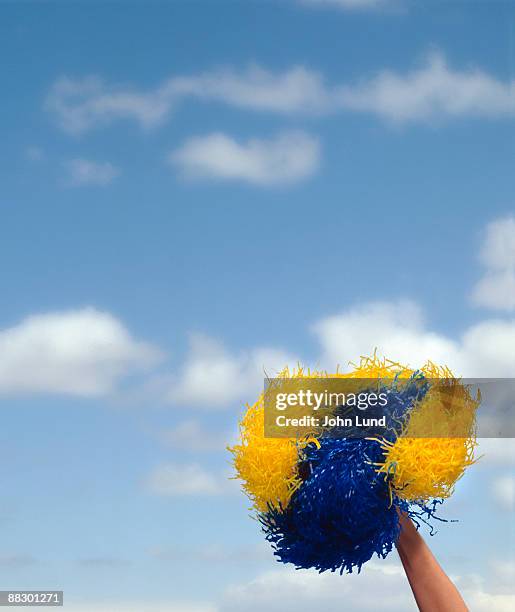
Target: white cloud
{"x":504,"y":570}
{"x":178,"y":480}
{"x":193,"y":436}
{"x":497,"y":451}
{"x":212,"y":377}
{"x":493,"y":590}
{"x":86,"y":172}
{"x":295,"y":90}
{"x":81,"y":104}
{"x":483,"y":601}
{"x":288,"y":589}
{"x":503,"y":490}
{"x":432,"y":90}
{"x":498,"y":249}
{"x":83,"y":352}
{"x":398,"y":331}
{"x":287,"y":158}
{"x":496,"y":290}
{"x":487,"y":349}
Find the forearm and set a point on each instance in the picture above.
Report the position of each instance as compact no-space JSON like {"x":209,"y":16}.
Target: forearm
{"x":432,"y":588}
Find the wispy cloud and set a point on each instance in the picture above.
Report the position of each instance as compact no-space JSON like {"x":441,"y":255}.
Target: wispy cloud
{"x":16,"y":561}
{"x":285,"y":159}
{"x":214,"y":377}
{"x":178,"y":480}
{"x":496,"y":290}
{"x":286,"y":589}
{"x":433,"y":89}
{"x":80,"y":104}
{"x":215,"y":553}
{"x":87,"y":172}
{"x":83,"y":352}
{"x":193,"y":436}
{"x":256,"y":88}
{"x":102,"y":563}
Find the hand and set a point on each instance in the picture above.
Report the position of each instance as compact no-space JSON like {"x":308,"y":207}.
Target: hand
{"x":432,"y":588}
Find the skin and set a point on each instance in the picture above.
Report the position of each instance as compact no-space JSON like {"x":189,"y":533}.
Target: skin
{"x":432,"y":588}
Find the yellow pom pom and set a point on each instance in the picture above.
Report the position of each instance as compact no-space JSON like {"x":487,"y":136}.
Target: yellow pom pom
{"x":267,"y":466}
{"x":437,"y":444}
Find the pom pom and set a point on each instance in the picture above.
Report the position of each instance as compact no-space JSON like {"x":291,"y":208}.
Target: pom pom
{"x":332,"y":503}
{"x":341,"y":515}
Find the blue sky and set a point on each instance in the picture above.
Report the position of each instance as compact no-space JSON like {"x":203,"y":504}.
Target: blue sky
{"x":192,"y":192}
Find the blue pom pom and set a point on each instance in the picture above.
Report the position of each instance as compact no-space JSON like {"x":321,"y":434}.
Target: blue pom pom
{"x":341,"y":515}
